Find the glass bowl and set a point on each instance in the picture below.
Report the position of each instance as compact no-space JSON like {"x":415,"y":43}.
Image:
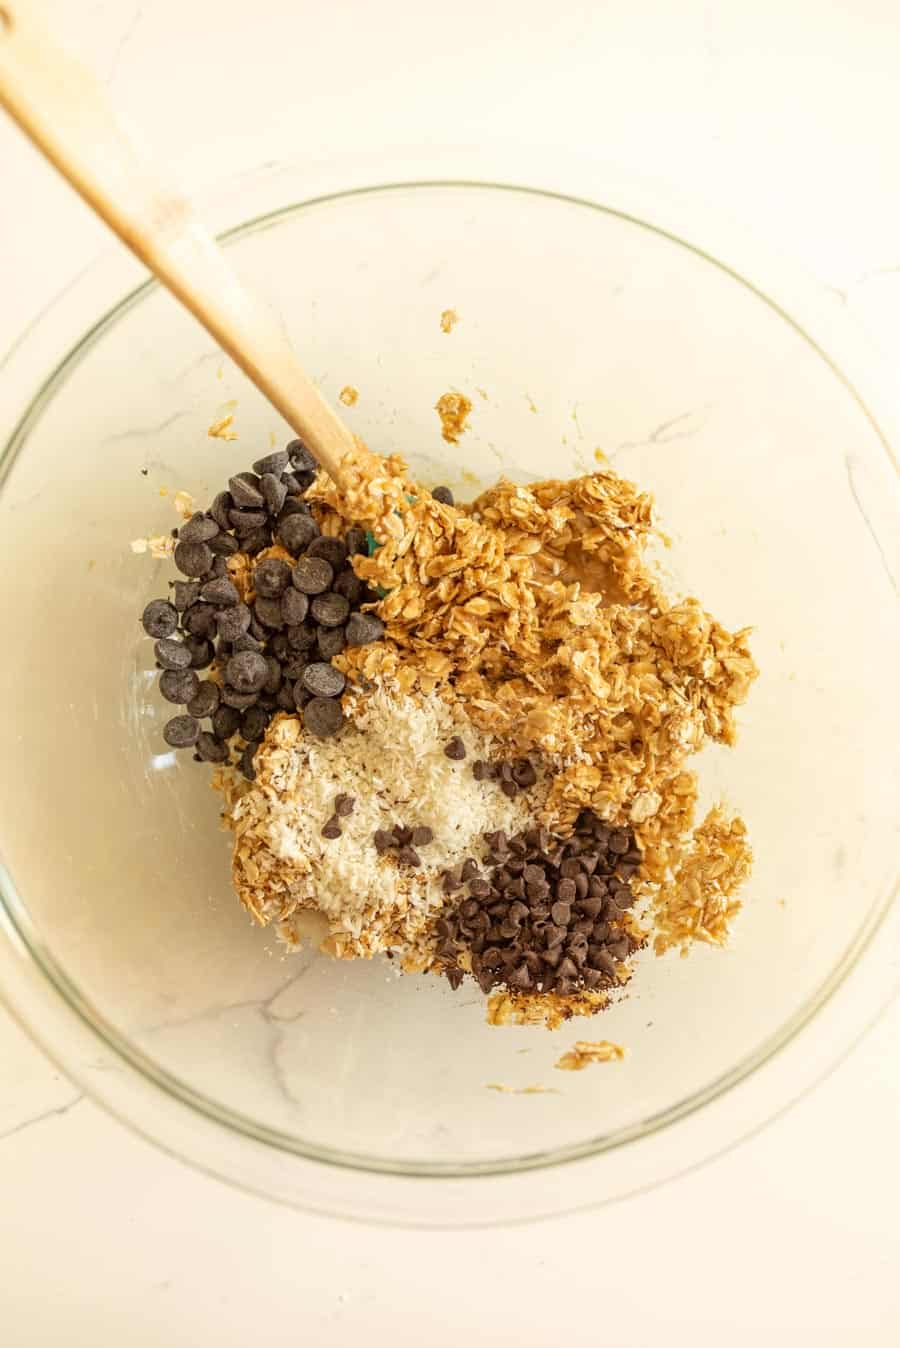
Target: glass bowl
{"x":585,"y":326}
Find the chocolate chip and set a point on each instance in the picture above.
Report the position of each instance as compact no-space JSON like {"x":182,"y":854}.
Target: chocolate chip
{"x":343,"y":805}
{"x":383,"y":840}
{"x":247,"y":767}
{"x":246,"y":672}
{"x":422,"y":836}
{"x":232,"y":623}
{"x":301,"y":458}
{"x":201,"y":650}
{"x":482,"y":771}
{"x":443,"y":494}
{"x":509,"y":789}
{"x":357,"y":543}
{"x":363,"y":628}
{"x":178,"y":685}
{"x":220,"y":508}
{"x":225,"y":722}
{"x":276,"y":462}
{"x":294,"y":606}
{"x":296,"y":532}
{"x":331,"y":550}
{"x":619,"y":842}
{"x":323,"y":680}
{"x":292,"y":506}
{"x":200,"y":528}
{"x":454,"y":748}
{"x":312,"y":575}
{"x":245,"y":491}
{"x":172,"y":654}
{"x":403,"y":835}
{"x":523,"y":773}
{"x":240,"y":701}
{"x":245,"y":522}
{"x":256,"y":542}
{"x":348,"y":583}
{"x":302,"y":636}
{"x":181,"y":732}
{"x":284,"y":698}
{"x":323,"y":717}
{"x":205,"y":701}
{"x":253,"y":723}
{"x":184,"y":593}
{"x":221,"y":592}
{"x":274,"y":676}
{"x":329,"y":641}
{"x":274,"y":492}
{"x":192,"y":559}
{"x":224,"y":546}
{"x":271,"y":578}
{"x":269,"y":612}
{"x":332,"y":829}
{"x":408,"y":856}
{"x":159,"y":618}
{"x":210,"y":749}
{"x":330,"y":610}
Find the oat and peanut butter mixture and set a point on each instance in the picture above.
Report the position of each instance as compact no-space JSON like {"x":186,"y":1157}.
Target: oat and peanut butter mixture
{"x":467,"y":745}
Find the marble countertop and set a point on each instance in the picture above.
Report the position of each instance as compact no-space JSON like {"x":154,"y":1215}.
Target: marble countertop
{"x":787,"y":112}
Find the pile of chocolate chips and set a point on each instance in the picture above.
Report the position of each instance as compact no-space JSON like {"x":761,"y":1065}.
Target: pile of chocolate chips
{"x":542,"y":913}
{"x":275,"y":656}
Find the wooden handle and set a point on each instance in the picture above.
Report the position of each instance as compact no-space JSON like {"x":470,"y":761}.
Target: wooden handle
{"x":60,"y":106}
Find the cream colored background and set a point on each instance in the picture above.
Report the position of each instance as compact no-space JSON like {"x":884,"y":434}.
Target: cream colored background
{"x":786,"y":113}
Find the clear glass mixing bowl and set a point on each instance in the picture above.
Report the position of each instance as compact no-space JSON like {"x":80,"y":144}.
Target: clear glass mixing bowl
{"x":584,"y":326}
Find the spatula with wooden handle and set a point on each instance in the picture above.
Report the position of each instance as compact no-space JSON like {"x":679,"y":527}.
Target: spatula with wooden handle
{"x":62,"y":108}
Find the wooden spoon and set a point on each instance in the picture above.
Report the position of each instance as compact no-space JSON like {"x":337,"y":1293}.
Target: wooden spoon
{"x":62,"y":108}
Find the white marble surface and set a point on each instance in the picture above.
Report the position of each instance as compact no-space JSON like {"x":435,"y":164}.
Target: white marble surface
{"x":784,"y":111}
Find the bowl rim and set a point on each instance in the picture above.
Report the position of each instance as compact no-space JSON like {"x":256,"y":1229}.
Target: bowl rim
{"x":24,"y":953}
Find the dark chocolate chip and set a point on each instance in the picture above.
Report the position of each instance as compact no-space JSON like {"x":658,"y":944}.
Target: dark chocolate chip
{"x":443,"y":494}
{"x":271,"y":578}
{"x":221,"y":592}
{"x":225,"y":722}
{"x":332,"y":829}
{"x":408,"y":856}
{"x":246,"y":521}
{"x":220,"y":508}
{"x":323,"y":680}
{"x":302,"y":460}
{"x":256,"y":542}
{"x":296,"y":532}
{"x":232,"y":623}
{"x":185,"y":593}
{"x":348,"y":583}
{"x":269,"y":612}
{"x":302,"y":636}
{"x":199,"y":528}
{"x":245,"y":491}
{"x":422,"y":836}
{"x":253,"y":723}
{"x":181,"y":732}
{"x":223,"y":545}
{"x":274,"y":676}
{"x":330,"y":610}
{"x":276,"y":462}
{"x":246,"y":672}
{"x":454,"y":748}
{"x":172,"y":654}
{"x":312,"y":575}
{"x":362,"y":628}
{"x":482,"y":771}
{"x":331,"y":550}
{"x":193,"y":559}
{"x":357,"y":543}
{"x":201,"y":650}
{"x":329,"y":640}
{"x":523,"y":773}
{"x":383,"y":840}
{"x":284,"y":698}
{"x":323,"y":716}
{"x":159,"y":618}
{"x":247,"y":767}
{"x":210,"y":749}
{"x":619,"y":842}
{"x":509,"y":789}
{"x":239,"y":701}
{"x":274,"y":492}
{"x":343,"y":805}
{"x":178,"y":685}
{"x":294,"y":606}
{"x":205,"y":701}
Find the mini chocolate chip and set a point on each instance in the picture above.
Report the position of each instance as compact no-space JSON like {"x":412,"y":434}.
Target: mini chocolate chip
{"x":294,"y":606}
{"x":269,"y":612}
{"x":246,"y":672}
{"x":329,"y":641}
{"x":343,"y":805}
{"x":331,"y":550}
{"x":422,"y":836}
{"x":199,"y":528}
{"x":181,"y":732}
{"x":205,"y":701}
{"x":178,"y":685}
{"x":323,"y":680}
{"x":172,"y":654}
{"x":274,"y":492}
{"x":509,"y":789}
{"x":323,"y":717}
{"x":363,"y":628}
{"x":192,"y":559}
{"x":276,"y":462}
{"x":442,"y":494}
{"x":271,"y":578}
{"x":159,"y":618}
{"x":357,"y":543}
{"x":312,"y":575}
{"x":232,"y":623}
{"x":221,"y":592}
{"x":330,"y":610}
{"x":454,"y":748}
{"x":296,"y":532}
{"x":245,"y":491}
